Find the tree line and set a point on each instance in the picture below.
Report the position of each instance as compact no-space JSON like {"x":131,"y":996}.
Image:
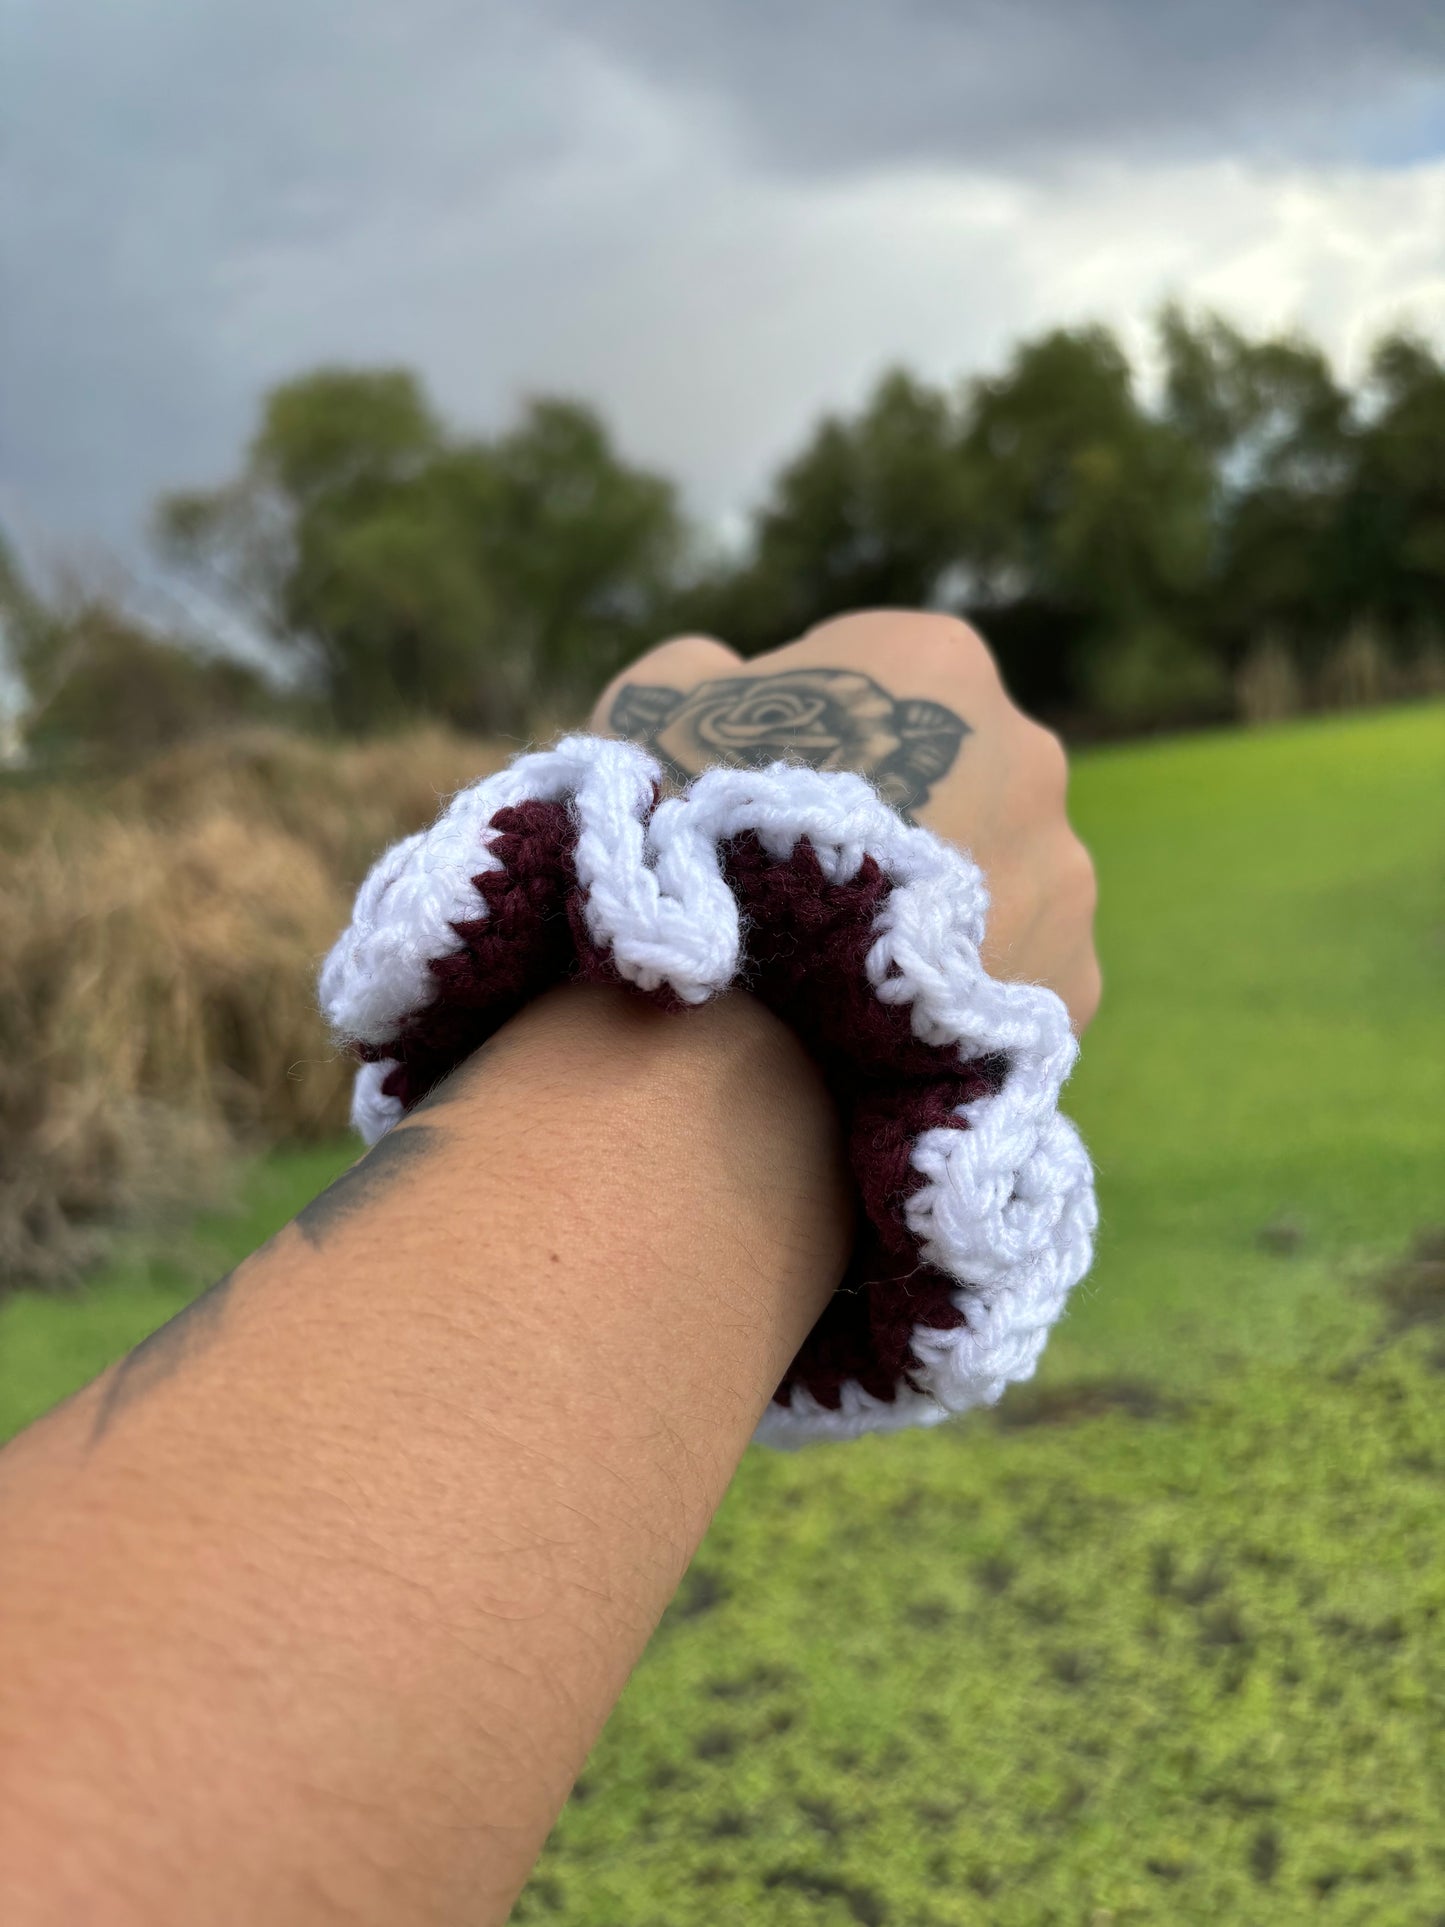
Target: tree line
{"x":1233,"y":526}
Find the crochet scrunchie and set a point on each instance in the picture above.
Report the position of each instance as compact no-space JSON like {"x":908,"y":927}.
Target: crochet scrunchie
{"x":862,"y":933}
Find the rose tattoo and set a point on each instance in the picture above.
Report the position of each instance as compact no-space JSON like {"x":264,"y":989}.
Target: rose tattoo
{"x":830,"y":718}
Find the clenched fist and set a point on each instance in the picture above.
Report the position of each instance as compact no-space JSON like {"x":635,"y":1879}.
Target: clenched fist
{"x":913,"y":702}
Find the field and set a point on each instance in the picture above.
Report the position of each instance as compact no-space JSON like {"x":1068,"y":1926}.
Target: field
{"x":1163,"y":1639}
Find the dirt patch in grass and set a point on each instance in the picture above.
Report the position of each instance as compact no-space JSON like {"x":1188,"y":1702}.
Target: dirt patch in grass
{"x":862,"y":1903}
{"x":1412,"y":1289}
{"x":1072,"y":1401}
{"x":702,"y":1591}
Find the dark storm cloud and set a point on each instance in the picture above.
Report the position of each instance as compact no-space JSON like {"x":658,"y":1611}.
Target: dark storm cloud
{"x":855,"y":83}
{"x":643,"y":200}
{"x":161,"y":159}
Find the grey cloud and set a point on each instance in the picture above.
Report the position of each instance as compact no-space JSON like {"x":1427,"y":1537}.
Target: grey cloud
{"x":829,"y":84}
{"x":638,"y":199}
{"x":167,"y":158}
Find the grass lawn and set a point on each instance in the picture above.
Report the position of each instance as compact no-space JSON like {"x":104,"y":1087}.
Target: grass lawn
{"x":1163,"y":1639}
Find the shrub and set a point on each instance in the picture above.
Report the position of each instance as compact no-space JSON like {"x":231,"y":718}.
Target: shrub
{"x":106,"y":689}
{"x":1360,"y":672}
{"x":1267,"y":686}
{"x":1154,"y":676}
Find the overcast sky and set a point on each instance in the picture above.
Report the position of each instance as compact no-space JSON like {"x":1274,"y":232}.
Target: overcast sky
{"x":715,"y":217}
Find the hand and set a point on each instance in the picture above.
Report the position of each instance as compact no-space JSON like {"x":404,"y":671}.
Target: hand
{"x":915,"y":703}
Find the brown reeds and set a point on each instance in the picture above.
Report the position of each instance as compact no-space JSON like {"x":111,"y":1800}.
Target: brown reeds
{"x":159,"y":938}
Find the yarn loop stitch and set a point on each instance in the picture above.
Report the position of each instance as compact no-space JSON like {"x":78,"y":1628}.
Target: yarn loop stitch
{"x":861,"y":930}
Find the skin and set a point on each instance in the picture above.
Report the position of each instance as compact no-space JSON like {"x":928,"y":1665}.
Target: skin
{"x":314,"y":1605}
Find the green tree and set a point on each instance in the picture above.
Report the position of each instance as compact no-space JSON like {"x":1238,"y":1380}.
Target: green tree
{"x":1127,"y":550}
{"x":1087,"y":531}
{"x":581,"y":551}
{"x":1395,"y":516}
{"x":867,"y":515}
{"x":339,"y":543}
{"x":410,"y":572}
{"x":1277,"y":427}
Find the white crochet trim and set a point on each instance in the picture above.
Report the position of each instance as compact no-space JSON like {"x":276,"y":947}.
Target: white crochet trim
{"x":1006,"y":1207}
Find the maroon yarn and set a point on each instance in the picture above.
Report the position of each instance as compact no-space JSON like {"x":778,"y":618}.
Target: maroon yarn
{"x":526,"y":942}
{"x":804,"y":943}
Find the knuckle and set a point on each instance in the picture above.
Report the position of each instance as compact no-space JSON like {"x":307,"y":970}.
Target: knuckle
{"x":685,"y":639}
{"x":929,"y":640}
{"x":1051,"y":759}
{"x":952,"y":643}
{"x":689,"y":647}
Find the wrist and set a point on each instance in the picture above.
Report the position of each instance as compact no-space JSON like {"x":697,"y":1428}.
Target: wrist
{"x":862,"y":934}
{"x":708,"y":1135}
{"x":435,"y":1471}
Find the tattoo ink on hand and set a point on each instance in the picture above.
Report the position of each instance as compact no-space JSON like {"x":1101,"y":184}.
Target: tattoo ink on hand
{"x":829,"y":718}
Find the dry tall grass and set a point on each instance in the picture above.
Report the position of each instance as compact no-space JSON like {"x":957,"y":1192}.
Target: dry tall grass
{"x":159,"y":938}
{"x":1267,"y":685}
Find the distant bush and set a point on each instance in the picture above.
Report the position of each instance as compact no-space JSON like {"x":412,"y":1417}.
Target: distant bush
{"x":1155,"y":676}
{"x":116,"y":690}
{"x":159,"y":937}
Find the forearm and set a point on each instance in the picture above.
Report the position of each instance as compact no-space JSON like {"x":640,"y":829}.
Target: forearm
{"x":313,"y":1611}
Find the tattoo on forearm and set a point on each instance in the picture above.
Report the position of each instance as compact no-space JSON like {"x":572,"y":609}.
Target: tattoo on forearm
{"x":830,"y":718}
{"x":194,"y":1330}
{"x":185,"y":1336}
{"x":367,"y":1180}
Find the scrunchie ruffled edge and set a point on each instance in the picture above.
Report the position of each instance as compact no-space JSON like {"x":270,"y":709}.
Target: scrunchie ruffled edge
{"x":1003,"y":1203}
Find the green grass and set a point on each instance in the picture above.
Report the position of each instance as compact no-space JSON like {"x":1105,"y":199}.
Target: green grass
{"x":52,"y":1343}
{"x":1163,"y":1640}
